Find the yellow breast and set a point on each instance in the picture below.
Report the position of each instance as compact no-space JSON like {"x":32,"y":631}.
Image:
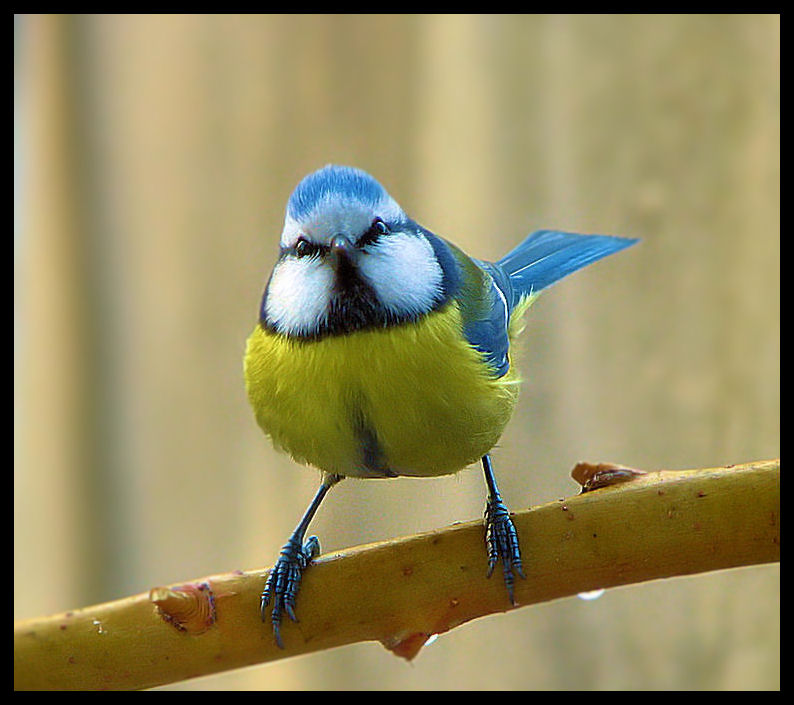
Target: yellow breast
{"x":413,"y":399}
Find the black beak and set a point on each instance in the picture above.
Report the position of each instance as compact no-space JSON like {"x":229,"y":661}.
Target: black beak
{"x":344,"y":254}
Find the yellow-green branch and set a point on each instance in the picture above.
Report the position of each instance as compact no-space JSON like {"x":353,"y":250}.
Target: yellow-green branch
{"x":652,"y":526}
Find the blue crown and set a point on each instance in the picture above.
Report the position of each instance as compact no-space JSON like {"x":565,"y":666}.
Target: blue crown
{"x":341,"y":181}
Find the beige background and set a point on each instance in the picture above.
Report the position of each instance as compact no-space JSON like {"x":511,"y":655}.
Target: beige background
{"x":153,"y":159}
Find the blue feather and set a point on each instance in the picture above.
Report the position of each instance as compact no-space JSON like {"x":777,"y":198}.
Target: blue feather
{"x":489,"y":335}
{"x":342,"y":181}
{"x":546,"y":256}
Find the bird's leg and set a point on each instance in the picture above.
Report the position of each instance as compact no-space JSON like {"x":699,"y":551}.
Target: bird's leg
{"x":501,"y":538}
{"x":284,"y":579}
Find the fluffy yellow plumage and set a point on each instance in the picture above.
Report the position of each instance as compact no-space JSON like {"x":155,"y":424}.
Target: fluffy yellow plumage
{"x":419,"y":387}
{"x":384,"y":350}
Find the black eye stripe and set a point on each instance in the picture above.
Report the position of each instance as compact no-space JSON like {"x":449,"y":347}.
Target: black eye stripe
{"x":305,"y":248}
{"x":376,"y":230}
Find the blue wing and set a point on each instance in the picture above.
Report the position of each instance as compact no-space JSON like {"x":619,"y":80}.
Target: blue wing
{"x":545,"y":257}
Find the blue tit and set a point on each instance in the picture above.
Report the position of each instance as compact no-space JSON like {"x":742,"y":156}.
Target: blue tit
{"x":383,"y":350}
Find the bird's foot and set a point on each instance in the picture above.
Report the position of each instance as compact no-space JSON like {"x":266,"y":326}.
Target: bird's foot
{"x":284,"y":581}
{"x":501,"y":540}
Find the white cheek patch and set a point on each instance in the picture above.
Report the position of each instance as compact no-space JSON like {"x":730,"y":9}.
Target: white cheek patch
{"x":299,"y":295}
{"x":404,"y":272}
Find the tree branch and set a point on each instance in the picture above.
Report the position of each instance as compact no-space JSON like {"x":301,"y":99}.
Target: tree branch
{"x":654,"y":525}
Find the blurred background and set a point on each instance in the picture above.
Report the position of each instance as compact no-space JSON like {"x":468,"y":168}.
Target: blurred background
{"x":153,"y":157}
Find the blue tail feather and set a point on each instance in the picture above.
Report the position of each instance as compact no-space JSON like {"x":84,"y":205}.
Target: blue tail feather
{"x":546,"y":256}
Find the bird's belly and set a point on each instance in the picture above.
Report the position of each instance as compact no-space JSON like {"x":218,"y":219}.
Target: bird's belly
{"x":413,"y":399}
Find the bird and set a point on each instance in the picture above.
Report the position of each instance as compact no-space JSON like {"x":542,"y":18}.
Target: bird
{"x":382,"y":350}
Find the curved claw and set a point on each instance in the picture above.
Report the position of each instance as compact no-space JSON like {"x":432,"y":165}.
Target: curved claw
{"x":501,"y":540}
{"x":284,"y":580}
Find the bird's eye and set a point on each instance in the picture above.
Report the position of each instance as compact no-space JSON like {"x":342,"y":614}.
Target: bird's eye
{"x":377,"y":229}
{"x":303,"y":247}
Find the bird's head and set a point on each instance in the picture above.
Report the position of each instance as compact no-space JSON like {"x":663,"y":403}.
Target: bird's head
{"x":350,"y":259}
